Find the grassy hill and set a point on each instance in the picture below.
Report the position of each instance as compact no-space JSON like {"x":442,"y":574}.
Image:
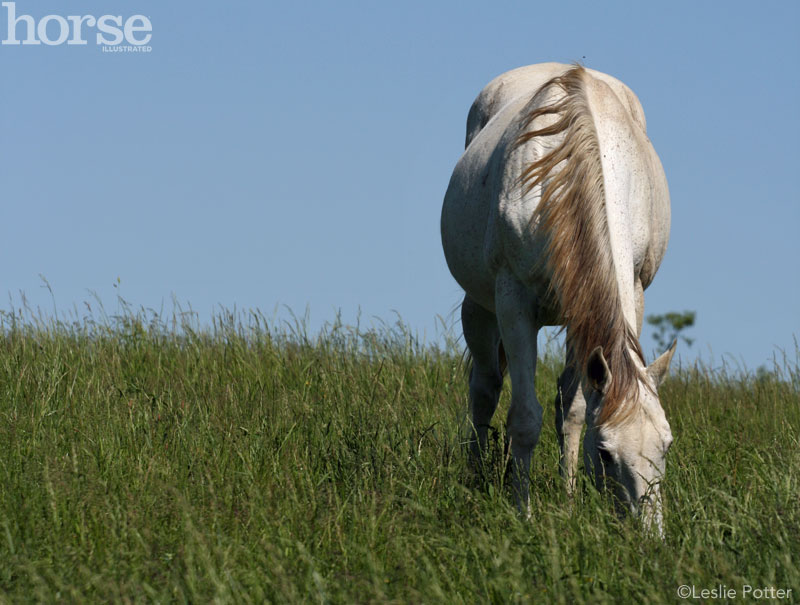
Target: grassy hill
{"x":144,"y":460}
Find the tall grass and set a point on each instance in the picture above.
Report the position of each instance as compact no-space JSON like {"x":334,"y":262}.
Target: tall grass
{"x":144,"y":459}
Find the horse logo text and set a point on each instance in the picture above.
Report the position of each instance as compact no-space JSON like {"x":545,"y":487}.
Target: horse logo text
{"x":54,"y":30}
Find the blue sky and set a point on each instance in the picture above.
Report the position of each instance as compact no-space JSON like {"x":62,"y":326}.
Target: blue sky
{"x":269,"y":154}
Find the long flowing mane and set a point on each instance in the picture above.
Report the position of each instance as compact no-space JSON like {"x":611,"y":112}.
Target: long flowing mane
{"x":572,"y":216}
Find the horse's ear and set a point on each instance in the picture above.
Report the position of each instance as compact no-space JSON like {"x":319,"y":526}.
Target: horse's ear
{"x":659,"y":369}
{"x":597,"y":371}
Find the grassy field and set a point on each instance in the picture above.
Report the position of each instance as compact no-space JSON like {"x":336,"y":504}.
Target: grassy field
{"x":142,"y":460}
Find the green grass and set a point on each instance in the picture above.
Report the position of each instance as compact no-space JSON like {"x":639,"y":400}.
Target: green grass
{"x":143,"y":460}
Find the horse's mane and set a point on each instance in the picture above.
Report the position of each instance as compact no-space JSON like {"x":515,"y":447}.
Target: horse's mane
{"x":572,"y":216}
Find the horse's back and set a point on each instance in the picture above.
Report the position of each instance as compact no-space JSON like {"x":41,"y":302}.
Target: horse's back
{"x":524,"y":81}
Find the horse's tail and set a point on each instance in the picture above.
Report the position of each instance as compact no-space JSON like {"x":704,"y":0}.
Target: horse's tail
{"x":572,"y":217}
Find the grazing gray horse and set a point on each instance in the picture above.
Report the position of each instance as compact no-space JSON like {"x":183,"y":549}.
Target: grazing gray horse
{"x":558,"y":213}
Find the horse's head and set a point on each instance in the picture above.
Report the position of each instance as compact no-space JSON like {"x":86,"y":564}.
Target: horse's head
{"x":628,"y":457}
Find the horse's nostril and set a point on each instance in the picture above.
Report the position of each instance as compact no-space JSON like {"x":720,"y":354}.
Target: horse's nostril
{"x":605,"y":457}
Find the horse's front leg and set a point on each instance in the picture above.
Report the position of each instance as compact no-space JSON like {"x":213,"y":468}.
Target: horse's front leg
{"x":486,"y":375}
{"x":570,"y":414}
{"x":516,"y":314}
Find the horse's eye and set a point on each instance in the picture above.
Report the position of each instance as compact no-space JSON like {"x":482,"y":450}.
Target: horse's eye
{"x":605,"y":456}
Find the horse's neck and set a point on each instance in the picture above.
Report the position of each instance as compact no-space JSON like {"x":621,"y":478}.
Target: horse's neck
{"x":620,"y":234}
{"x":614,"y":141}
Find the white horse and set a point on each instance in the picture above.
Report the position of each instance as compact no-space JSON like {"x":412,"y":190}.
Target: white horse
{"x":558,"y":213}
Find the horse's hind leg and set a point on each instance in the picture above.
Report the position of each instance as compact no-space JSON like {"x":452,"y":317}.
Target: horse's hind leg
{"x":486,"y":375}
{"x":570,"y":415}
{"x":516,"y":316}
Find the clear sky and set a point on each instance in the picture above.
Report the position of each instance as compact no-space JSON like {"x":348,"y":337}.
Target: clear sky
{"x":267,"y":154}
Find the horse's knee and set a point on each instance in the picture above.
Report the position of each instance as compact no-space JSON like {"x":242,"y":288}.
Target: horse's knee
{"x":525,"y":424}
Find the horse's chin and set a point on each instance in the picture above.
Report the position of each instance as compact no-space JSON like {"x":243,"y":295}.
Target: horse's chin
{"x":651,"y":514}
{"x":648,"y":509}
